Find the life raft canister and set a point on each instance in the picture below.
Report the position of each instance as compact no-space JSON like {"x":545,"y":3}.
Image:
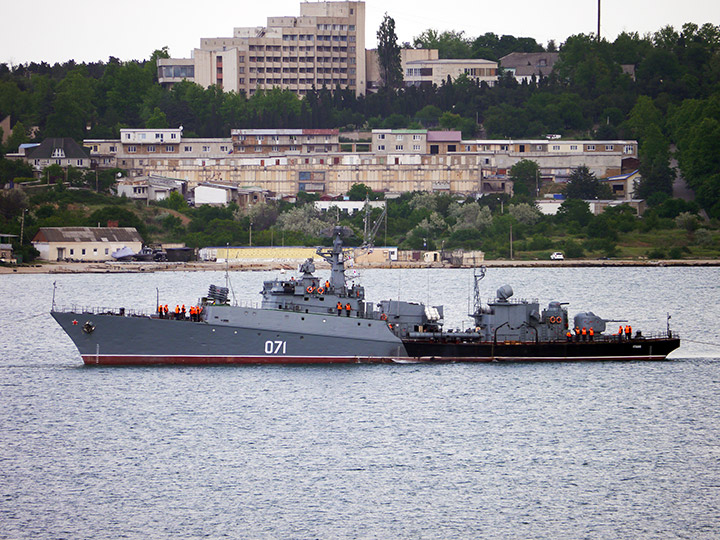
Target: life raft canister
{"x":88,"y":327}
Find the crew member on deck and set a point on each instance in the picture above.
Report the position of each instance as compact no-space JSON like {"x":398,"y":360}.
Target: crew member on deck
{"x":569,"y":335}
{"x":584,"y":333}
{"x":628,"y":331}
{"x":348,"y":307}
{"x":160,"y":311}
{"x":339,"y":308}
{"x":591,"y":333}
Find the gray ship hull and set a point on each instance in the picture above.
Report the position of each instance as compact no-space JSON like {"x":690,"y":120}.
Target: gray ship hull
{"x":230,"y":335}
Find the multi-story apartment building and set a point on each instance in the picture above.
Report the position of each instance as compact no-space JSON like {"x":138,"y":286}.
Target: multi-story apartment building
{"x":399,"y":141}
{"x":288,"y":161}
{"x":295,"y":142}
{"x":435,"y":72}
{"x":324,"y":46}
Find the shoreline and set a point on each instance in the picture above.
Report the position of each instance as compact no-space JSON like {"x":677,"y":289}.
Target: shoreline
{"x":263,"y":265}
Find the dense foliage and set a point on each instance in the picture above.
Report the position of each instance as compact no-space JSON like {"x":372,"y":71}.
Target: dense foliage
{"x":414,"y":221}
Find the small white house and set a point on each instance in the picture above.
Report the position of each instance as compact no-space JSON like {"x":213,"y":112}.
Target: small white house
{"x":218,"y":194}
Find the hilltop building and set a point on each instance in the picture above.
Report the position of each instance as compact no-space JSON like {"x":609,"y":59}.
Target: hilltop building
{"x":324,"y":46}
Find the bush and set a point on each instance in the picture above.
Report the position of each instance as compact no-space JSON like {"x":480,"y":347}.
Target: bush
{"x":676,"y":253}
{"x":573,"y":250}
{"x":656,"y":253}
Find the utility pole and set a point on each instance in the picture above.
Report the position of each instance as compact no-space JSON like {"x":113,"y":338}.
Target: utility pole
{"x":511,"y":251}
{"x":598,"y":31}
{"x":22,"y":226}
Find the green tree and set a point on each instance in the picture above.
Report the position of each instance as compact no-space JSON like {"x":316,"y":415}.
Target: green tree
{"x":17,"y":137}
{"x":584,"y":185}
{"x":388,"y":51}
{"x":574,"y":211}
{"x":157,"y":120}
{"x":450,"y":44}
{"x":359,"y":192}
{"x":429,"y":115}
{"x":525,"y":175}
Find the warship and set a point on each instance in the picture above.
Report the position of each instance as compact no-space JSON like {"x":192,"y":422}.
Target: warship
{"x":308,"y":320}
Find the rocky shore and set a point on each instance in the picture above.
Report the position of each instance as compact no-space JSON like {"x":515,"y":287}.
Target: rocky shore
{"x":251,"y":265}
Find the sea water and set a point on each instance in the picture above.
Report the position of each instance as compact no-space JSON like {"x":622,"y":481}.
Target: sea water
{"x":557,"y":450}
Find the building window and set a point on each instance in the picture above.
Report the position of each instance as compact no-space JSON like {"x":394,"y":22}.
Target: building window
{"x":169,"y":148}
{"x":187,"y":149}
{"x":223,"y":148}
{"x":80,"y":162}
{"x":151,"y":148}
{"x":629,"y":149}
{"x":206,"y":149}
{"x":83,"y":251}
{"x":573,"y":147}
{"x":132,"y":149}
{"x":107,"y":250}
{"x":609,"y":147}
{"x":591,"y":147}
{"x":72,"y":251}
{"x":398,"y":147}
{"x":381,"y":136}
{"x":258,"y":148}
{"x":381,"y":147}
{"x":556,"y":147}
{"x":112,"y":149}
{"x":503,"y":147}
{"x":417,"y":147}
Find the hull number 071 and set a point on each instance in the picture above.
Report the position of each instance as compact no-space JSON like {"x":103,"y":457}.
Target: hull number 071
{"x":275,"y":347}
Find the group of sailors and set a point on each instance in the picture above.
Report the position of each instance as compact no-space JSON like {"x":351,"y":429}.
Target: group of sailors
{"x":180,"y":313}
{"x":587,"y":334}
{"x":581,"y":334}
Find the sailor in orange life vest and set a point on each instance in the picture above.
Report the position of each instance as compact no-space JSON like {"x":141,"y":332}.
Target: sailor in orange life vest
{"x":348,"y":307}
{"x":628,"y":331}
{"x":591,"y":333}
{"x":339,"y":308}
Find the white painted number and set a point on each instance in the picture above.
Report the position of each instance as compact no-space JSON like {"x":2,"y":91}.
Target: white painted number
{"x":275,"y":347}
